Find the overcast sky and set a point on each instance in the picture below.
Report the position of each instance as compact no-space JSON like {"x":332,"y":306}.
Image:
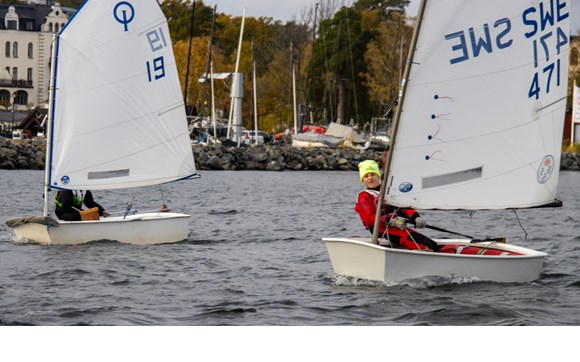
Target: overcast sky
{"x":288,"y":9}
{"x":282,"y":10}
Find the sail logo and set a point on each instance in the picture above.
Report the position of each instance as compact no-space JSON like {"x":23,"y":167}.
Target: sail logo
{"x":405,"y":187}
{"x":546,"y":169}
{"x":124,"y":13}
{"x":65,"y":180}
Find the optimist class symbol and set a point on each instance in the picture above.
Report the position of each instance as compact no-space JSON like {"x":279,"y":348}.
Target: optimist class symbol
{"x":546,"y":168}
{"x":121,"y":11}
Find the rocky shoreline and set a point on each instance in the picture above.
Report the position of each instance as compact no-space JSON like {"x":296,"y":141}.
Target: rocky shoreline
{"x":29,"y":155}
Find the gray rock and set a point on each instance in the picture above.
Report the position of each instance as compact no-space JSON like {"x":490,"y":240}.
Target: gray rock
{"x":30,"y":154}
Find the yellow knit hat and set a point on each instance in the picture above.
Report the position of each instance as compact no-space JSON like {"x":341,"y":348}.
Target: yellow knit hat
{"x":366,"y":167}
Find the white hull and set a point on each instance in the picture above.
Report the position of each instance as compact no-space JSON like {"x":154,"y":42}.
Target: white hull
{"x":308,"y":144}
{"x":358,"y":257}
{"x":143,"y":229}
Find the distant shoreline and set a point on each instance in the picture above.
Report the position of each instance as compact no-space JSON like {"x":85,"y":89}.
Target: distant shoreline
{"x":30,"y":155}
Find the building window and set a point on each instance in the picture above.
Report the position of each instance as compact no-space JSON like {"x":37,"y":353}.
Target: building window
{"x":29,"y":75}
{"x":5,"y":96}
{"x":56,"y":28}
{"x":30,"y":53}
{"x":21,"y":98}
{"x":15,"y":50}
{"x":14,"y":74}
{"x":7,"y":49}
{"x":50,"y":27}
{"x":11,"y":18}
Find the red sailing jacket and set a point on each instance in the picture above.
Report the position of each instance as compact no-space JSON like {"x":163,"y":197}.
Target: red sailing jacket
{"x":366,"y":207}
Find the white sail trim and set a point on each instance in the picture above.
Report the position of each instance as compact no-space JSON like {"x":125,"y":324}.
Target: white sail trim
{"x":481,"y":126}
{"x":119,"y":118}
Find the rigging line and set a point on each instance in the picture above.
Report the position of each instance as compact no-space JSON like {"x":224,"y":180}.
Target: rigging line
{"x":388,"y":238}
{"x":520,"y":223}
{"x":412,"y":238}
{"x":327,"y":91}
{"x":351,"y":66}
{"x":310,"y":64}
{"x":145,"y":190}
{"x":162,"y":195}
{"x":386,"y":232}
{"x":335,"y":54}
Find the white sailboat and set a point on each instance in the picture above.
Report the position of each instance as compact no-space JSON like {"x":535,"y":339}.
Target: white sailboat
{"x":479,"y":126}
{"x":117,"y":120}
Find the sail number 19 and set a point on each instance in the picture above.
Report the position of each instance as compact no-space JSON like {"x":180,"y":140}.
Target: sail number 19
{"x":156,"y":67}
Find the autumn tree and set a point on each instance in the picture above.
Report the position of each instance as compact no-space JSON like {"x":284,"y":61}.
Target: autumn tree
{"x":179,"y":15}
{"x":343,"y":84}
{"x":285,"y":50}
{"x":337,"y":83}
{"x":385,"y":56}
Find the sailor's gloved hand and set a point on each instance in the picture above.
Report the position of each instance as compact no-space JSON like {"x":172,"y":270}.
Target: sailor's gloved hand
{"x":420,"y":223}
{"x":398,"y":222}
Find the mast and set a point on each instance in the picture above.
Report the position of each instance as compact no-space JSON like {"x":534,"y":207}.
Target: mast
{"x":307,"y":98}
{"x":397,"y":118}
{"x":294,"y":89}
{"x":209,"y":70}
{"x":255,"y":95}
{"x":235,"y":79}
{"x":189,"y":53}
{"x":48,"y":156}
{"x":213,"y":116}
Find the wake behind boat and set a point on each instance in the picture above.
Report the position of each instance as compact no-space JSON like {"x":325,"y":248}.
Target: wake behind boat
{"x":479,"y":126}
{"x":116,"y":120}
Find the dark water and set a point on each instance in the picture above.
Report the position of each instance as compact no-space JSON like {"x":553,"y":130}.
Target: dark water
{"x":254,"y":257}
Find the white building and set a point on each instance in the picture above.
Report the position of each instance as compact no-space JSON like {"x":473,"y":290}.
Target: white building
{"x":26,"y":33}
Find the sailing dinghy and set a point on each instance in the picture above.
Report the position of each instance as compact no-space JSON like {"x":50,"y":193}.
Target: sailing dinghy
{"x":117,"y":120}
{"x":479,"y":127}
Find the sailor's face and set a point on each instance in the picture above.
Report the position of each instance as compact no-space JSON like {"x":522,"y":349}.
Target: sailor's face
{"x":371,"y":180}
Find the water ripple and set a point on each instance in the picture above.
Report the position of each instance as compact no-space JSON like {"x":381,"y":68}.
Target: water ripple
{"x":254,"y":256}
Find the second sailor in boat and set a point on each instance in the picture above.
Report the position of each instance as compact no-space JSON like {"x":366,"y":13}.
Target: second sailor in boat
{"x":393,"y":227}
{"x":69,"y":204}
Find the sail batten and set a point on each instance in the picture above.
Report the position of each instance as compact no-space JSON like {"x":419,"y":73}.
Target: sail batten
{"x":119,"y":118}
{"x":482,"y":122}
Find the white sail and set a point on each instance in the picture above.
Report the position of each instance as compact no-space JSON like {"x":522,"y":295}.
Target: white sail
{"x":481,"y":125}
{"x":119,"y":118}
